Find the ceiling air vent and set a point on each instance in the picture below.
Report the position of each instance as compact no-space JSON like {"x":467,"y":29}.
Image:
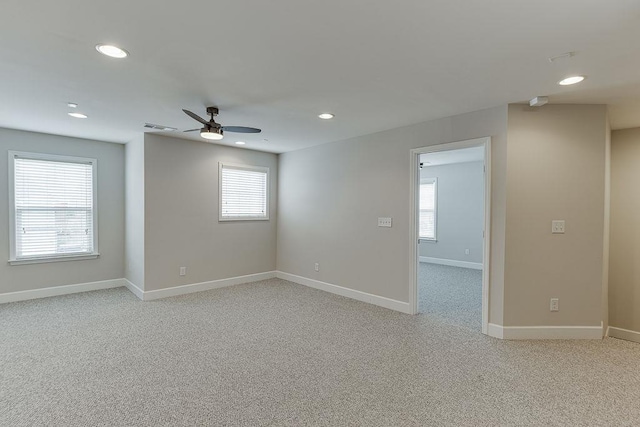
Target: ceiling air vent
{"x":159,"y":127}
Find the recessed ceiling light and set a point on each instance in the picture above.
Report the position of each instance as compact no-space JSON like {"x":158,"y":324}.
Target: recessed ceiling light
{"x":72,"y":105}
{"x":240,"y":142}
{"x":571,"y":80}
{"x":326,"y":116}
{"x":77,"y":115}
{"x":112,"y":51}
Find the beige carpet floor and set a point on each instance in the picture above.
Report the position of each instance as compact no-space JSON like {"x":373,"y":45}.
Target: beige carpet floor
{"x":276,"y":353}
{"x":452,"y":295}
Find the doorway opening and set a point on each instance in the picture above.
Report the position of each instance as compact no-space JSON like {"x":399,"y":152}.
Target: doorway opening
{"x":450,"y":211}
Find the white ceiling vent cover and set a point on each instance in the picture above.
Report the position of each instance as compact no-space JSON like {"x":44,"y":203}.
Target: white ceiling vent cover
{"x":159,"y":127}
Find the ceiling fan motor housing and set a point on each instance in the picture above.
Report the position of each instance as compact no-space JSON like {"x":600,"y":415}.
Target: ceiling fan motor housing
{"x":216,"y":127}
{"x":212,"y":129}
{"x":213,"y":125}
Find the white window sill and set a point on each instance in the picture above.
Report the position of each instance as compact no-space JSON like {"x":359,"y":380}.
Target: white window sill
{"x":53,"y":259}
{"x":423,"y":240}
{"x":242,"y":219}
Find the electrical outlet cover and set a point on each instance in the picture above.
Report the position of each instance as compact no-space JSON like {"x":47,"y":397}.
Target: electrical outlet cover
{"x":557,"y":226}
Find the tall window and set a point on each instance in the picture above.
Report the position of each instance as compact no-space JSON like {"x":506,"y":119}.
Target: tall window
{"x":52,"y":207}
{"x":244,"y":192}
{"x":428,"y":201}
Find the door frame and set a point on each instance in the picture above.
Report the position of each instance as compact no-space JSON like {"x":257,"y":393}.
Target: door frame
{"x":413,"y":212}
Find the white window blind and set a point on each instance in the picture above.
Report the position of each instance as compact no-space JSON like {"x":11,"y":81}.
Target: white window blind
{"x":244,"y":192}
{"x":53,"y":206}
{"x":428,"y":210}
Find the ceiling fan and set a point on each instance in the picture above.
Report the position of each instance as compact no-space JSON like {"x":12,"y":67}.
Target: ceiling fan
{"x":213,"y":130}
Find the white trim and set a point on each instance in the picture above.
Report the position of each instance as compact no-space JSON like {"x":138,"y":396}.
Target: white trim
{"x":495,"y":331}
{"x":545,"y":332}
{"x":486,"y":234}
{"x":606,"y":238}
{"x":403,"y":307}
{"x":134,"y":289}
{"x":12,"y":155}
{"x":198,"y":287}
{"x":263,"y":169}
{"x":452,"y":262}
{"x":59,"y":290}
{"x":52,"y":259}
{"x":623,"y":334}
{"x":413,"y":220}
{"x":414,"y":235}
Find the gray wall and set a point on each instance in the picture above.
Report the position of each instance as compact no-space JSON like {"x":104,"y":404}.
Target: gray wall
{"x":460,"y":212}
{"x":329,"y":198}
{"x":181,"y":215}
{"x":553,"y":167}
{"x":134,"y":212}
{"x":624,"y":260}
{"x":331,"y":195}
{"x":110,"y":264}
{"x":556,"y":170}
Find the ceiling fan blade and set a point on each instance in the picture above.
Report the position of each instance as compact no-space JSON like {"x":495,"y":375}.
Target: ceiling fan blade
{"x":191,"y":130}
{"x":194,"y":116}
{"x":240,"y":129}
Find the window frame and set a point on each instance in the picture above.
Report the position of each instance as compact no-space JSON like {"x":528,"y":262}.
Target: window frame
{"x":434,"y":181}
{"x":263,"y":169}
{"x":13,"y":260}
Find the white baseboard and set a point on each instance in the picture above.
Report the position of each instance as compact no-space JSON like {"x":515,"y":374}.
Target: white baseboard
{"x":197,"y":287}
{"x":134,"y":289}
{"x":624,"y":334}
{"x":452,"y":262}
{"x":545,"y":332}
{"x":495,"y":331}
{"x":346,"y":292}
{"x":59,"y":290}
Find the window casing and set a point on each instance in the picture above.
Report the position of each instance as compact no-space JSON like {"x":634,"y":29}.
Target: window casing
{"x":53,"y":212}
{"x":428,"y":208}
{"x":243,"y":192}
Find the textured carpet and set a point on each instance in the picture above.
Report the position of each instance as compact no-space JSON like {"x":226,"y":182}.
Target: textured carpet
{"x":451,"y":294}
{"x":276,"y":353}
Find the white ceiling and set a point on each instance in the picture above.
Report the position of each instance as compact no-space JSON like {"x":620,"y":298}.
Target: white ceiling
{"x":277,"y":64}
{"x":461,"y":155}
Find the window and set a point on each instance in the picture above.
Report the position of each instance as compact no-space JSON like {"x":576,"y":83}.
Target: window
{"x":244,"y":192}
{"x":428,"y":200}
{"x":52,"y":208}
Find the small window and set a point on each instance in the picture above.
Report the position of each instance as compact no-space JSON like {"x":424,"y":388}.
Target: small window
{"x":428,"y":201}
{"x":244,"y":192}
{"x":52,"y":208}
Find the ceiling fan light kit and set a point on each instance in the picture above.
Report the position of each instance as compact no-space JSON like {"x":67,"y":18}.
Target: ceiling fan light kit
{"x":211,"y":134}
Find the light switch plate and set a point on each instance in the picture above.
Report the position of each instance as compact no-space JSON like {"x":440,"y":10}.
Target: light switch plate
{"x":557,"y":226}
{"x":384,"y":222}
